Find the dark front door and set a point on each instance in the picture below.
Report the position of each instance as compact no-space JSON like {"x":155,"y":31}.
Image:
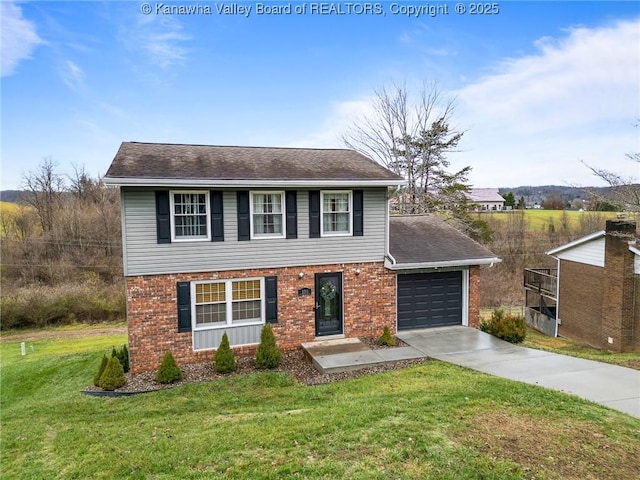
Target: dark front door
{"x":328,"y":303}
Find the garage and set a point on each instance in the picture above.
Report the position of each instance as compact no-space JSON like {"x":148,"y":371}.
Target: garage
{"x":428,"y":300}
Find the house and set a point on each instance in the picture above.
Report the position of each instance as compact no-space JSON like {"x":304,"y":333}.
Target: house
{"x":485,"y":199}
{"x":593,"y":296}
{"x":225,"y":239}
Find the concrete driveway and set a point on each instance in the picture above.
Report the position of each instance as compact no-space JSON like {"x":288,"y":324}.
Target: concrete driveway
{"x":610,"y":385}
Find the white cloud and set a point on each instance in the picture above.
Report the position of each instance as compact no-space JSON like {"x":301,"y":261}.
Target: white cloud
{"x":160,"y":39}
{"x":538,"y":116}
{"x":19,"y":38}
{"x":72,"y":75}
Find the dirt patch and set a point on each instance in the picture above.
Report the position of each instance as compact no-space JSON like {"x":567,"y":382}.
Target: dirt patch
{"x":60,"y":333}
{"x":555,"y":449}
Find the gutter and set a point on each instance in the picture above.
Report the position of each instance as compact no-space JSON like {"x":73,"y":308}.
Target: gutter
{"x":245,"y":183}
{"x":391,"y":264}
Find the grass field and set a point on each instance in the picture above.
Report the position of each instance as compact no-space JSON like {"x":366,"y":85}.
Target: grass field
{"x":539,"y":220}
{"x":431,"y":421}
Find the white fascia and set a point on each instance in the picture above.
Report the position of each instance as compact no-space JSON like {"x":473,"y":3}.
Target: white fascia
{"x":444,"y":264}
{"x":211,"y":183}
{"x":575,"y":243}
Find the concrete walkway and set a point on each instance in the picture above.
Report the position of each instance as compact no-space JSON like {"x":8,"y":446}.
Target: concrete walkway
{"x":610,"y":385}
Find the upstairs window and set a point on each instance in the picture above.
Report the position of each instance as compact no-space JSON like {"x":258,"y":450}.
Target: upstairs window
{"x":190,"y":215}
{"x":267,"y":214}
{"x":336,"y":213}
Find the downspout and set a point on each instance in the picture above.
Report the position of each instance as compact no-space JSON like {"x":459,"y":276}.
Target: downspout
{"x":386,"y":235}
{"x":557,"y":298}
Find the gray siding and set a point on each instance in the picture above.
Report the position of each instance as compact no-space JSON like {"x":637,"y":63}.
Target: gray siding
{"x":144,"y":256}
{"x":241,"y":335}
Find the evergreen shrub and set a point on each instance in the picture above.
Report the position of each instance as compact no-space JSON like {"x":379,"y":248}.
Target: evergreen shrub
{"x":268,"y":354}
{"x":386,"y":338}
{"x":113,"y":375}
{"x":224,"y":361}
{"x":169,"y":371}
{"x":507,"y":326}
{"x":103,"y":365}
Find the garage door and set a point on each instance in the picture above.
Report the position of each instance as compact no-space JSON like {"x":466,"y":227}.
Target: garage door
{"x":429,"y":300}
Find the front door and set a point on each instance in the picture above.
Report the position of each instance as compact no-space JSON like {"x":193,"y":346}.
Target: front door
{"x":328,"y":304}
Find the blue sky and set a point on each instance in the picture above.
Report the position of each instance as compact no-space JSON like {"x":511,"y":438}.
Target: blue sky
{"x":539,"y":86}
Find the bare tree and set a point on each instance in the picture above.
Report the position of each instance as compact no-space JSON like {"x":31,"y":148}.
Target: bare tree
{"x":623,"y":192}
{"x":412,"y":139}
{"x":43,"y":190}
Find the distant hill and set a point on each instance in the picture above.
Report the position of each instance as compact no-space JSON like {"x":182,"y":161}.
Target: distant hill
{"x":537,"y":194}
{"x":11,"y":196}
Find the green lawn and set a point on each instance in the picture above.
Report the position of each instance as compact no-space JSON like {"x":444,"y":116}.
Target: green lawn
{"x":539,"y":220}
{"x":431,"y":421}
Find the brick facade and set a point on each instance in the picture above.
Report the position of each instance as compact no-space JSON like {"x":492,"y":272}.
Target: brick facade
{"x":474,"y":296}
{"x":599,"y":306}
{"x":369,"y":304}
{"x":580,"y":302}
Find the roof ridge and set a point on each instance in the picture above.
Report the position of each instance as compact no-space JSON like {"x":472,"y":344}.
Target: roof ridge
{"x":240,"y":146}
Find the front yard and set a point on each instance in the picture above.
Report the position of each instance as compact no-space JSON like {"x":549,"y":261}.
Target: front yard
{"x":429,"y":421}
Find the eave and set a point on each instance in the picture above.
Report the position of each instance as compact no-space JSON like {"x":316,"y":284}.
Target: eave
{"x":441,"y":264}
{"x":246,"y":183}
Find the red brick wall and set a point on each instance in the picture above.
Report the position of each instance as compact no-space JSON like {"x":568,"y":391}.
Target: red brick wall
{"x":580,"y":302}
{"x":369,"y":304}
{"x":474,"y":296}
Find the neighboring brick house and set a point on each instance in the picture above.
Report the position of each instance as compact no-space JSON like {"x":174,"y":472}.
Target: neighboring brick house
{"x":224,"y":239}
{"x":598,"y":288}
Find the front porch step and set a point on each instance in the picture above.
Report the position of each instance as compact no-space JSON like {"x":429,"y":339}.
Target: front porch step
{"x":346,"y":354}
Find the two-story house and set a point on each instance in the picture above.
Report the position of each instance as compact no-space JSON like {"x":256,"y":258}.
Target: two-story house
{"x":225,"y":239}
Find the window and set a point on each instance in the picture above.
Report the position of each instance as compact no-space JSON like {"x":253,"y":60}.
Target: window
{"x":190,"y":216}
{"x":228,"y":302}
{"x":336,"y":213}
{"x":267,"y":214}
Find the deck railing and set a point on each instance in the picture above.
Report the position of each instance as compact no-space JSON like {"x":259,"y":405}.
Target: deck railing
{"x":542,"y":280}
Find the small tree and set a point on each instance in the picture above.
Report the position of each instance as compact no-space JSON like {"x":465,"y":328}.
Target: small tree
{"x":268,"y":354}
{"x":169,"y":371}
{"x":123,"y":356}
{"x":113,"y":375}
{"x":224,"y":361}
{"x":386,"y":338}
{"x":98,"y":375}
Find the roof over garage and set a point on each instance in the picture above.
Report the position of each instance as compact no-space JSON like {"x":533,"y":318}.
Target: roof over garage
{"x":426,"y":241}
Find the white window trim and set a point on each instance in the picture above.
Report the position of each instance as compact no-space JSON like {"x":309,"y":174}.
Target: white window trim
{"x":336,"y":234}
{"x":283,"y":213}
{"x":172,"y":216}
{"x":228,"y":304}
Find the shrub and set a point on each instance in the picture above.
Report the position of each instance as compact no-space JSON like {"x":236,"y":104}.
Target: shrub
{"x":507,"y":326}
{"x":386,"y":338}
{"x":169,"y":371}
{"x":268,"y":354}
{"x":113,"y":375}
{"x":123,"y":356}
{"x":98,"y":375}
{"x":224,"y":361}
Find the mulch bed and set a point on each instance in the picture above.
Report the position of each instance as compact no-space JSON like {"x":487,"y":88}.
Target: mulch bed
{"x":294,"y":363}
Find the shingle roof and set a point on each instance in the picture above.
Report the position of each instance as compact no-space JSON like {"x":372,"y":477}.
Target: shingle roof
{"x":484,"y":195}
{"x":148,"y":162}
{"x":428,"y":240}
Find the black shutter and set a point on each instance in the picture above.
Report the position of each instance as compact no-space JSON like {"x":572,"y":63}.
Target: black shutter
{"x":244,"y":225}
{"x":358,"y":213}
{"x":184,"y":306}
{"x":163,"y":217}
{"x":314,"y":214}
{"x":291,"y":201}
{"x":271,"y":294}
{"x":217,"y":219}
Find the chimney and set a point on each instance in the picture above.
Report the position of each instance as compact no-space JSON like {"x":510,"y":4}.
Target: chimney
{"x":618,"y":292}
